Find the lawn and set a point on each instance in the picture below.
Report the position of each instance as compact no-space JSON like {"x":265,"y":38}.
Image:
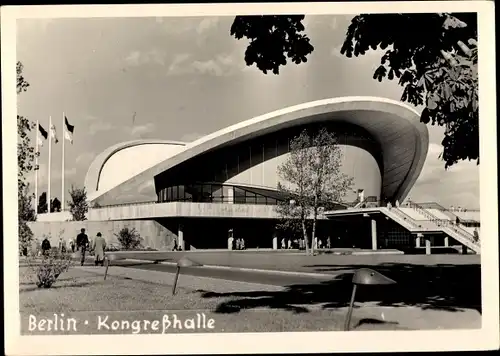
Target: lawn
{"x":86,"y":297}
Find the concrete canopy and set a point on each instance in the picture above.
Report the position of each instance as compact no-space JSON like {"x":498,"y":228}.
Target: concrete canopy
{"x":397,"y":127}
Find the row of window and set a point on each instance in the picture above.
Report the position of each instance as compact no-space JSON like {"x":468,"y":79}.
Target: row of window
{"x":213,"y":193}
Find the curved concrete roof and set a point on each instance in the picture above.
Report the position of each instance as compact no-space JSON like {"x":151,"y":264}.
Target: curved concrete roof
{"x":397,"y":127}
{"x":94,"y":172}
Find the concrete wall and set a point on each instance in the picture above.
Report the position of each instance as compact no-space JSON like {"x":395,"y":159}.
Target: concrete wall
{"x":154,"y":234}
{"x":181,"y":209}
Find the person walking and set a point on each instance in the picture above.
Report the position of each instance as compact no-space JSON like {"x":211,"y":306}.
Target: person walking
{"x":328,"y":242}
{"x":476,"y":235}
{"x":45,"y":246}
{"x":99,"y":247}
{"x":62,"y":245}
{"x":82,"y":243}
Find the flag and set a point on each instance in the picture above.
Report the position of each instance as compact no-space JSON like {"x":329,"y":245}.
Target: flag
{"x":53,"y":133}
{"x":42,"y":135}
{"x":68,"y":133}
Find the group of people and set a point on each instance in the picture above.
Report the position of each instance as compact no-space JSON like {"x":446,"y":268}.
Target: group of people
{"x":235,"y":244}
{"x":301,"y":244}
{"x":81,"y":245}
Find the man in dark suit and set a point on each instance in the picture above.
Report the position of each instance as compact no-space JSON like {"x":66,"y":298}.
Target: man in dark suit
{"x":82,"y":243}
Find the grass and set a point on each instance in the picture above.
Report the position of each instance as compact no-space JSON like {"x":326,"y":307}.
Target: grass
{"x":85,"y":295}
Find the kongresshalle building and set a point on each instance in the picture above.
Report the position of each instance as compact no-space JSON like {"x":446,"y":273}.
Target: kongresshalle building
{"x":194,"y":193}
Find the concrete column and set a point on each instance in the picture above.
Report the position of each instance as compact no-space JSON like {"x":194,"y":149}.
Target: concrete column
{"x":418,"y":240}
{"x":374,"y":234}
{"x":231,"y":195}
{"x":180,"y":235}
{"x":427,"y":246}
{"x":446,"y":241}
{"x":275,"y":243}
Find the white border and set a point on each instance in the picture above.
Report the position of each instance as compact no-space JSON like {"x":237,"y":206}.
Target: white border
{"x":484,"y":339}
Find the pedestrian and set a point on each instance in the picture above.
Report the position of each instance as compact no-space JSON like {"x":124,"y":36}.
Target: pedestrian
{"x":457,"y":221}
{"x":389,"y":205}
{"x":289,"y":243}
{"x":397,"y":203}
{"x":476,"y":235}
{"x":82,"y":244}
{"x":283,"y":243}
{"x":328,"y":242}
{"x":319,"y":243}
{"x":62,"y":245}
{"x":46,"y":246}
{"x":238,"y":244}
{"x":242,"y":243}
{"x":315,"y":243}
{"x":99,"y":247}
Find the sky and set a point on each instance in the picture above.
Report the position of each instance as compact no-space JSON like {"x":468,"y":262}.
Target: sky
{"x":120,"y":79}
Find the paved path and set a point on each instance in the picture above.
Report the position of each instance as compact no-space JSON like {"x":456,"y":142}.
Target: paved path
{"x":185,"y":281}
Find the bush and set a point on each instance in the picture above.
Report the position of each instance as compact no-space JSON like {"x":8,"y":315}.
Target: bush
{"x":46,"y":271}
{"x":129,"y":239}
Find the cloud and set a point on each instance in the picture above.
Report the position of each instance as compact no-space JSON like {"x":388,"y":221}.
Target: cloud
{"x":224,"y":64}
{"x":176,"y":67}
{"x":85,"y":157}
{"x":98,"y":126}
{"x":138,"y":58}
{"x":458,"y":186}
{"x":140,"y":130}
{"x":207,"y":24}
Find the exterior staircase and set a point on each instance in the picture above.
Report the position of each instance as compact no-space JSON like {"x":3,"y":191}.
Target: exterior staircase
{"x":448,"y":227}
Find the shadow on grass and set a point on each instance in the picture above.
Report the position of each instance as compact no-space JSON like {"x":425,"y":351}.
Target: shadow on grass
{"x":440,"y":287}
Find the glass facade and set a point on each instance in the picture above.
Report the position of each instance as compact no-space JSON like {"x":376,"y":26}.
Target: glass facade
{"x":217,"y":193}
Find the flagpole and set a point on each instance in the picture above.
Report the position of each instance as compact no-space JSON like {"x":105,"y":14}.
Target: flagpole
{"x":36,"y":166}
{"x":62,"y":173}
{"x":50,"y":161}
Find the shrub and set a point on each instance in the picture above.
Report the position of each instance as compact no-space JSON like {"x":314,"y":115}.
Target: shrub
{"x":46,"y":271}
{"x":129,"y":239}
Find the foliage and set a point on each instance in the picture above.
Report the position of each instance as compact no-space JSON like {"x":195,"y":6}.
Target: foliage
{"x":129,"y":239}
{"x":55,"y":205}
{"x":46,"y":270}
{"x":42,"y":203}
{"x":426,"y":52}
{"x":25,"y":159}
{"x":78,"y":205}
{"x":25,"y":237}
{"x":271,"y":38}
{"x":314,"y":177}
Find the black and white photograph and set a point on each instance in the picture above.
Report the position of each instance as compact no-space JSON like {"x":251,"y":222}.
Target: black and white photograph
{"x":238,"y":174}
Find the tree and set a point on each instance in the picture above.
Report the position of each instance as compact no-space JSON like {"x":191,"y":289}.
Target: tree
{"x":425,"y":52}
{"x":25,"y":159}
{"x":78,"y":205}
{"x":55,"y":205}
{"x":314,"y":177}
{"x":42,"y":203}
{"x":129,"y":239}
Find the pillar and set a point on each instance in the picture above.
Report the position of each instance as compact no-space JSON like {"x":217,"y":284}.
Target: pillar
{"x":418,"y":240}
{"x":180,"y":235}
{"x":374,"y":234}
{"x":428,"y":246}
{"x":446,"y":241}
